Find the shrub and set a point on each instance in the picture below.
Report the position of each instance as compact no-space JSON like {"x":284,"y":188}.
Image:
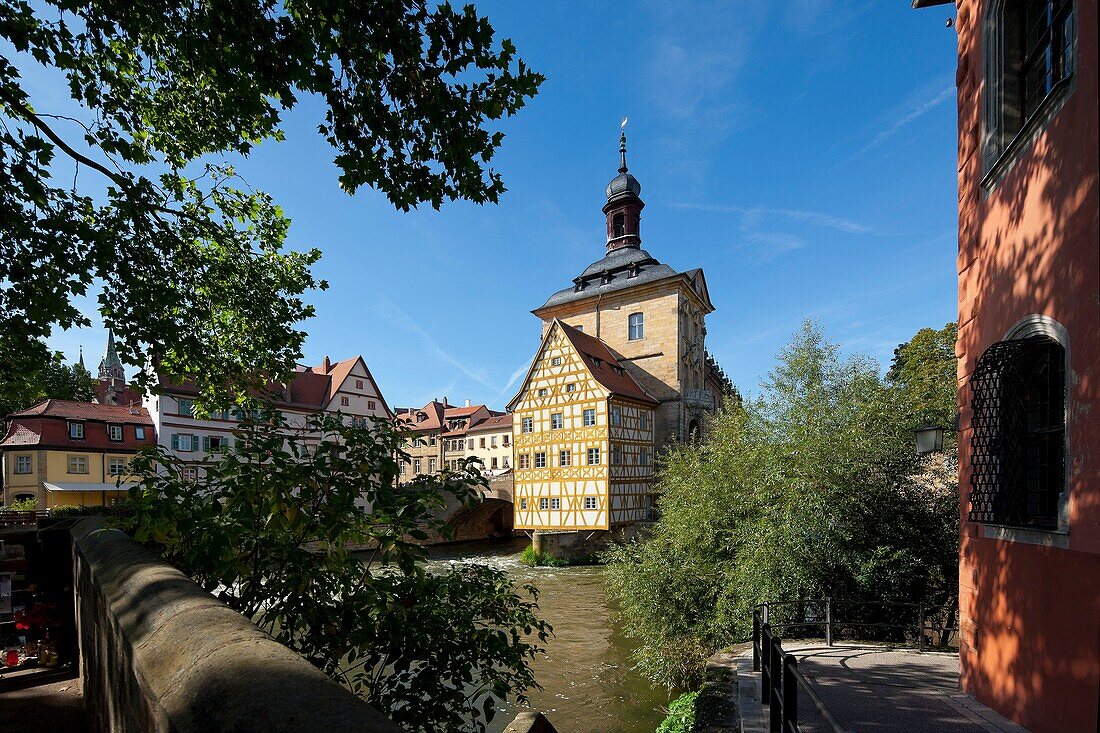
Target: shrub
{"x":681,"y":715}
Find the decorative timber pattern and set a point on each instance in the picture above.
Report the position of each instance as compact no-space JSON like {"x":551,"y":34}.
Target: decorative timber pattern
{"x":583,"y":455}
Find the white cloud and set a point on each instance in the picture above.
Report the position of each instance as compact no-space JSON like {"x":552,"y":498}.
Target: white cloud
{"x":752,"y":216}
{"x":398,"y":317}
{"x":908,"y":115}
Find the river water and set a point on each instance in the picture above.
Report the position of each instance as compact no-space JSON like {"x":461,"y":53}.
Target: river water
{"x":588,"y":684}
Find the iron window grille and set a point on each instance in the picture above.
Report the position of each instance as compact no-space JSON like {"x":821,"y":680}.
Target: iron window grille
{"x":1018,"y":444}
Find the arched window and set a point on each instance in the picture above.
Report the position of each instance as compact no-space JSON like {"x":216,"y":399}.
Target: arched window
{"x":1031,"y":46}
{"x":1018,"y":445}
{"x":618,"y":225}
{"x":635,"y":327}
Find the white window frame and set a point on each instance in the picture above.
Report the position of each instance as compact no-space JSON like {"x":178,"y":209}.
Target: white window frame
{"x":565,"y":458}
{"x":76,"y":430}
{"x":78,"y":461}
{"x":24,"y":460}
{"x":540,"y":459}
{"x":555,"y":503}
{"x":590,"y":503}
{"x":589,"y":417}
{"x":117,"y":466}
{"x":557,"y":420}
{"x":593,"y":453}
{"x":635,"y":329}
{"x":527,"y":425}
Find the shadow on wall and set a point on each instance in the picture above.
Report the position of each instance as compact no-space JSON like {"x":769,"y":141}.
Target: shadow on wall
{"x":1031,"y":248}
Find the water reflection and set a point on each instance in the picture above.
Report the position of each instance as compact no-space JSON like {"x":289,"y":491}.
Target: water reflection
{"x":588,"y":685}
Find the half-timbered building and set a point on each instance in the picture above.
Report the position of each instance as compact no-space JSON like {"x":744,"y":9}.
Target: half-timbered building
{"x":582,"y":435}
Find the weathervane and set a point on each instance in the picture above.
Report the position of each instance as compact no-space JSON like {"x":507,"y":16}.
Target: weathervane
{"x":622,"y":146}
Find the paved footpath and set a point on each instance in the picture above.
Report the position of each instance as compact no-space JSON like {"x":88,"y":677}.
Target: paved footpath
{"x":874,"y":689}
{"x":56,"y":707}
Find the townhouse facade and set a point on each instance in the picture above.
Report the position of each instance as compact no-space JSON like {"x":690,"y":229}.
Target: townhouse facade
{"x":346,"y":387}
{"x":439,"y":436}
{"x":490,"y":441}
{"x":66,"y":453}
{"x":1029,"y":349}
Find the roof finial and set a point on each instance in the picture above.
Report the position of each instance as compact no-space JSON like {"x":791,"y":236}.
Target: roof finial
{"x":622,"y":146}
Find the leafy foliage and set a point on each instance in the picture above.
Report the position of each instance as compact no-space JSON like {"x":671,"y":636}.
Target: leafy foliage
{"x":56,"y":380}
{"x":192,"y":262}
{"x":681,"y":714}
{"x":270,"y":526}
{"x":813,"y":489}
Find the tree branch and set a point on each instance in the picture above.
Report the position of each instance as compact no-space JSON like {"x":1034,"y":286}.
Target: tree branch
{"x":26,"y":113}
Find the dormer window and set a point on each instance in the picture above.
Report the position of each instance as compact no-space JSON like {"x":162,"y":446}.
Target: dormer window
{"x":618,"y":225}
{"x":76,"y":430}
{"x":114,"y":432}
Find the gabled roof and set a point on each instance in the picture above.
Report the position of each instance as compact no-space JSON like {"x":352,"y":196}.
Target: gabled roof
{"x":604,"y":366}
{"x":339,"y":372}
{"x":433,"y":416}
{"x":600,"y":361}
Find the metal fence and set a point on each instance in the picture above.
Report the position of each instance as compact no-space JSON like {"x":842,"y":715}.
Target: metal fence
{"x":780,"y":678}
{"x":922,"y":625}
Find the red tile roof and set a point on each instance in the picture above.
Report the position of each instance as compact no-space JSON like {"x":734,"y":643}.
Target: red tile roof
{"x":46,"y":425}
{"x":86,"y":411}
{"x":496,"y":422}
{"x":433,"y":417}
{"x":604,"y":366}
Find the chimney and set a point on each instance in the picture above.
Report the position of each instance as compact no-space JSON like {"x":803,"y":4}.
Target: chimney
{"x":467,"y":403}
{"x":326,"y":364}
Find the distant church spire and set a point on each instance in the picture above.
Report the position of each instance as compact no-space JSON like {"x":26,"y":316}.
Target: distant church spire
{"x":110,"y":366}
{"x":80,"y":361}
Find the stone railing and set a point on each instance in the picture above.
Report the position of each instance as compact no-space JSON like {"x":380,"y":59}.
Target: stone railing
{"x":160,"y":654}
{"x":530,"y":722}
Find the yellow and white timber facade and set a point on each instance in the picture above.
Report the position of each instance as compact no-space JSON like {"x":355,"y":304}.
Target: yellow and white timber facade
{"x":583,"y":453}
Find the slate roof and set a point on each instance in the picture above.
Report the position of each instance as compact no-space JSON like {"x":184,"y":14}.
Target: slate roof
{"x":621,"y":268}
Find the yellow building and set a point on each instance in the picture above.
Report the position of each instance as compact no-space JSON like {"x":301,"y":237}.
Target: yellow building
{"x":582,"y":434}
{"x":622,"y":372}
{"x":651,"y":316}
{"x":64,"y":453}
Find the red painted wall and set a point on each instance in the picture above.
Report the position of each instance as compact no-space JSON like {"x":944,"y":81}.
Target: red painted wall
{"x":1031,"y":614}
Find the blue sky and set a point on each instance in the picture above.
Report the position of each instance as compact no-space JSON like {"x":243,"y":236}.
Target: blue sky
{"x":801,"y":152}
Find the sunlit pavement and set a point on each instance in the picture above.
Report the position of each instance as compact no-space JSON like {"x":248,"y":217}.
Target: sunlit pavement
{"x":876,"y":688}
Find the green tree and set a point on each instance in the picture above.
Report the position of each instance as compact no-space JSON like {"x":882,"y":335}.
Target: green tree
{"x":270,"y":526}
{"x":56,"y":380}
{"x":812,"y":489}
{"x":123,"y":193}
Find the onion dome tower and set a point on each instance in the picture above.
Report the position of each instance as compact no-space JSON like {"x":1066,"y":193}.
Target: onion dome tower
{"x":624,"y":206}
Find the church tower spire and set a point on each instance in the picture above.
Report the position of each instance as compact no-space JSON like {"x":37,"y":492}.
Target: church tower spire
{"x":110,"y":366}
{"x":624,"y":206}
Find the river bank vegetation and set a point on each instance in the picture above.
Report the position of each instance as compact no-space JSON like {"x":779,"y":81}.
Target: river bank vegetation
{"x":275,"y":529}
{"x":811,"y":489}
